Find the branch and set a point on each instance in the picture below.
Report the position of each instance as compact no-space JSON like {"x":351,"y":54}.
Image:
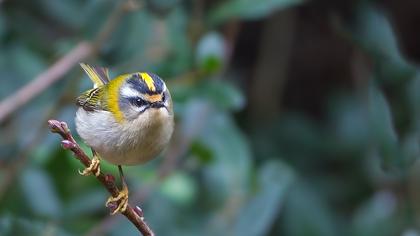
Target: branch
{"x":135,"y":215}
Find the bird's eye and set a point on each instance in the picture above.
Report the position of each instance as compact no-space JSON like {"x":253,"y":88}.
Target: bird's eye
{"x":138,"y":102}
{"x":163,"y":97}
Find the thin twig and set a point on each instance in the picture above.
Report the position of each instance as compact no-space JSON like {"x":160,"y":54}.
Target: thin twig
{"x":135,"y":215}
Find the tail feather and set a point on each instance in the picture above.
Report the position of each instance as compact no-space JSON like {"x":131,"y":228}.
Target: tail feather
{"x":98,"y":75}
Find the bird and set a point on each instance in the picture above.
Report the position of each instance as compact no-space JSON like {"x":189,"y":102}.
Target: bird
{"x":127,"y":120}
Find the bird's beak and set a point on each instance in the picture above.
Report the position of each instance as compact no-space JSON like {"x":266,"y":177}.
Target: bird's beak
{"x":157,"y":104}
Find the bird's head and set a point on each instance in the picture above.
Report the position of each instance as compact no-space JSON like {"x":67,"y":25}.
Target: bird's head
{"x":140,"y":95}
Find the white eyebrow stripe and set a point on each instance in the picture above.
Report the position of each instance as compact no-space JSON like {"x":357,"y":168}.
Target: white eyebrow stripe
{"x":127,"y":91}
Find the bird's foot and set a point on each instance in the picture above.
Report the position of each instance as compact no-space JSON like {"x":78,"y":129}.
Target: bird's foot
{"x":94,"y":167}
{"x":118,"y":203}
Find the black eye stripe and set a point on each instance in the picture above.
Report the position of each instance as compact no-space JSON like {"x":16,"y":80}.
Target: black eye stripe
{"x":136,"y":101}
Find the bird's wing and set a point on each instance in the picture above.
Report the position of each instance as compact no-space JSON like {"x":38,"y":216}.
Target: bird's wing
{"x":92,"y":100}
{"x":98,"y":75}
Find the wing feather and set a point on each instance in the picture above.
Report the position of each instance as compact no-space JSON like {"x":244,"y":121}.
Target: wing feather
{"x":98,"y":75}
{"x":92,"y":100}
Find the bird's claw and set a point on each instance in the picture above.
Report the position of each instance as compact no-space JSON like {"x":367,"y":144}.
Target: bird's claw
{"x":119,"y":202}
{"x":94,"y":167}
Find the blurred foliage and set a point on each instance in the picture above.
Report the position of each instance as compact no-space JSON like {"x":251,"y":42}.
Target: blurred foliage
{"x":349,"y":168}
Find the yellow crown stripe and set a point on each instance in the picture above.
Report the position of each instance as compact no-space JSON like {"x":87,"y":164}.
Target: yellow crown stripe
{"x":149,"y":81}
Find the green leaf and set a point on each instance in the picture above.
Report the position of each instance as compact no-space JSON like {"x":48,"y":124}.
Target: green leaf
{"x":40,"y":194}
{"x":350,"y":123}
{"x":375,"y":217}
{"x":202,"y":152}
{"x":230,"y":170}
{"x":413,"y":88}
{"x":211,"y":53}
{"x":375,"y":34}
{"x":249,"y":9}
{"x":410,"y":149}
{"x":307,"y":213}
{"x":192,"y":117}
{"x":381,"y":122}
{"x":222,"y":93}
{"x":274,"y":179}
{"x":180,"y":188}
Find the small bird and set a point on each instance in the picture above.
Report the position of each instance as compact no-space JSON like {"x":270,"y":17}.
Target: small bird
{"x":126,"y":121}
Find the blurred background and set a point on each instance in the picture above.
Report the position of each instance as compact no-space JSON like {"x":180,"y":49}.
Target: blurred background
{"x":293,"y":117}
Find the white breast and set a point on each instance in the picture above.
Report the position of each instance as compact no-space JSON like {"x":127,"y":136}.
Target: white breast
{"x":126,"y":143}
